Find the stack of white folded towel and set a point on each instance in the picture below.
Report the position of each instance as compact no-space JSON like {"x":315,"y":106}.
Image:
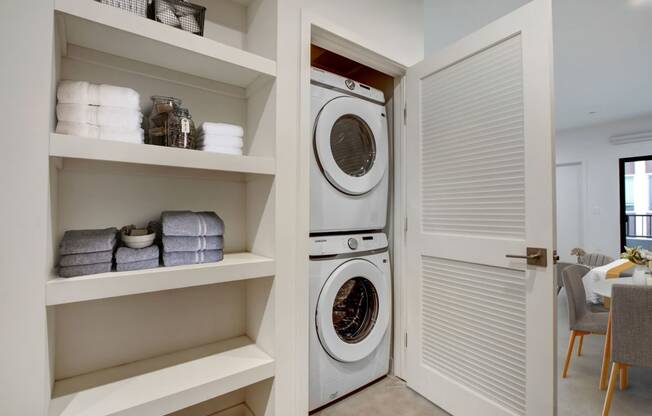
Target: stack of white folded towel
{"x":99,"y":112}
{"x":221,"y":138}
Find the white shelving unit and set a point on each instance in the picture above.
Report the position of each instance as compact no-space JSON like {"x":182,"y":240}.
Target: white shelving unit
{"x":107,"y":29}
{"x":193,"y":340}
{"x":162,"y":385}
{"x":66,"y":146}
{"x":236,"y":266}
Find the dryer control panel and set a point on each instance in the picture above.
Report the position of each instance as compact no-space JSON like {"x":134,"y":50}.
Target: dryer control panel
{"x":347,"y":85}
{"x":330,"y":245}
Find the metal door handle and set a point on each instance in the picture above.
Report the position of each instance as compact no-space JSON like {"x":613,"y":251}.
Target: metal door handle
{"x":529,"y":257}
{"x":535,"y":256}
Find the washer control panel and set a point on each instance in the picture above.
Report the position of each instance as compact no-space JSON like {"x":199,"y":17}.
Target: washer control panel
{"x":330,"y":245}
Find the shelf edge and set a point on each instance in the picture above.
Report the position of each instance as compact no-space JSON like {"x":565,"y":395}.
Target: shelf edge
{"x":62,"y":145}
{"x":60,"y":291}
{"x":139,"y":26}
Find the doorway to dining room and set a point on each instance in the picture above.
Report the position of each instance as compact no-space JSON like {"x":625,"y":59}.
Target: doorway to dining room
{"x":635,"y":177}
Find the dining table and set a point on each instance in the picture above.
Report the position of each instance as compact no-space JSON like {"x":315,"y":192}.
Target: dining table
{"x":603,"y":288}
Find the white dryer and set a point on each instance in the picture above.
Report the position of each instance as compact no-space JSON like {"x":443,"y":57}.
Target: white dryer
{"x":350,"y":305}
{"x":350,"y":157}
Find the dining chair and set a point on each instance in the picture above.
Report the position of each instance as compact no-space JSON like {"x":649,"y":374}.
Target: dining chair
{"x":559,"y":268}
{"x":631,"y":334}
{"x":581,"y":320}
{"x":594,"y":260}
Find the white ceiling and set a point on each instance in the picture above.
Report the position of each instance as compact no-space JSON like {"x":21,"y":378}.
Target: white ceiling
{"x":603,"y":60}
{"x":603,"y":52}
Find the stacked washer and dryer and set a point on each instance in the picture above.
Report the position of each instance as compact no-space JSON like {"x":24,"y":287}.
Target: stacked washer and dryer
{"x":350,"y":274}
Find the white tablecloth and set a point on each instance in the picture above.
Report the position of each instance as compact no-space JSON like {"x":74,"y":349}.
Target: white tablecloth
{"x":596,"y":275}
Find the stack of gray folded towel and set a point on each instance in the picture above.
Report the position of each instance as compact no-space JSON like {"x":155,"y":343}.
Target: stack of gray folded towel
{"x":191,"y":237}
{"x":87,"y":252}
{"x":136,"y":258}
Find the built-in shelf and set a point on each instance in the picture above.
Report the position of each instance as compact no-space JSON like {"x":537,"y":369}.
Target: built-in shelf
{"x":236,"y":266}
{"x":62,"y":145}
{"x":164,"y":384}
{"x":111,"y":30}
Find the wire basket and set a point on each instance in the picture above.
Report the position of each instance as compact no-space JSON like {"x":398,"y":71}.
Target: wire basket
{"x":139,"y":7}
{"x":181,"y":14}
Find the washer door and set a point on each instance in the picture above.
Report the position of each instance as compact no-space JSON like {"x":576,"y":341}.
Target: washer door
{"x":353,"y":311}
{"x":351,"y":144}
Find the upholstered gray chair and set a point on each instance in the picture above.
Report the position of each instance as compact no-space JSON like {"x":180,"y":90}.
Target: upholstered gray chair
{"x":631,"y":334}
{"x":559,"y":268}
{"x":581,"y":319}
{"x":594,"y":260}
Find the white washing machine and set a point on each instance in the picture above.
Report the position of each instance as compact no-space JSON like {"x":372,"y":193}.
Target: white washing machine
{"x":351,"y":308}
{"x":350,"y":157}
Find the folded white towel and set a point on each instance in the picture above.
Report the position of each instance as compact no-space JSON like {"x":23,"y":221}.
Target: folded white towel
{"x":223,"y":149}
{"x":123,"y":118}
{"x":222,"y":129}
{"x":82,"y":92}
{"x":222,"y":141}
{"x":104,"y":133}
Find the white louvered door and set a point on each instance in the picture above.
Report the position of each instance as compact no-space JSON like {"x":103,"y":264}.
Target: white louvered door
{"x":481,"y":327}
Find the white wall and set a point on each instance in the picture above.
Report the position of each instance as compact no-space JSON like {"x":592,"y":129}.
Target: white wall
{"x":390,"y":27}
{"x":590,"y":145}
{"x":25,"y":84}
{"x":447,"y":21}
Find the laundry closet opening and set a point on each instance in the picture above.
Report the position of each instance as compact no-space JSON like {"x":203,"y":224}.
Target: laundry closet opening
{"x":337,"y":64}
{"x":351,"y":225}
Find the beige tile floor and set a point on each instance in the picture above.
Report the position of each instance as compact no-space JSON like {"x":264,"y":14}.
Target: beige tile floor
{"x":387,"y":397}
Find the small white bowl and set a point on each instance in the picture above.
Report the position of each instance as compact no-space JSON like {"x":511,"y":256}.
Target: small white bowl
{"x":139,"y":238}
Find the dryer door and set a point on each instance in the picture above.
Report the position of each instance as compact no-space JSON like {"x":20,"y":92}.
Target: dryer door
{"x":351,"y":144}
{"x":353,"y":310}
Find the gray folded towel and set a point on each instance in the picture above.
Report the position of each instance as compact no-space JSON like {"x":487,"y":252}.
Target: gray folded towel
{"x":172,"y":244}
{"x":137,"y":265}
{"x":191,"y":224}
{"x":82,"y":270}
{"x":88,"y":241}
{"x":86,"y":258}
{"x":187,"y":257}
{"x":130,"y":255}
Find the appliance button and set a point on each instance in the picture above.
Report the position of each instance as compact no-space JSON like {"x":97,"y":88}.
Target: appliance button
{"x":353,"y":243}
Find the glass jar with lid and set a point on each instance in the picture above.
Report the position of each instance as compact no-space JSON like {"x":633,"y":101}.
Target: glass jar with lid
{"x":181,"y":130}
{"x":162,"y":106}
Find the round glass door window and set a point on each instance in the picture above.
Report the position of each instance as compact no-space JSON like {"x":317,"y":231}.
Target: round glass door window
{"x":353,"y":145}
{"x":355,"y":310}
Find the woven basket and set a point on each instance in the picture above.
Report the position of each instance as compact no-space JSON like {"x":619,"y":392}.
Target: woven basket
{"x":139,"y":7}
{"x":181,"y":14}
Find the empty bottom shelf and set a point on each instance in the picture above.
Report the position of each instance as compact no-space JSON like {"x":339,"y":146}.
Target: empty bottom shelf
{"x":239,"y":410}
{"x":164,"y":384}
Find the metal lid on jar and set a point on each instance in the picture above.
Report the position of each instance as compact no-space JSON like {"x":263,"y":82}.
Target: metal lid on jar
{"x":163,"y":98}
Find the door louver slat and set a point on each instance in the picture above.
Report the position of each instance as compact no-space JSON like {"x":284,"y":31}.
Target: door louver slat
{"x":475,"y":107}
{"x":481,"y":351}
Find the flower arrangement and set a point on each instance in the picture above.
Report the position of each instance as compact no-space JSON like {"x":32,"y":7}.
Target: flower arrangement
{"x":578,"y":252}
{"x":637,"y":255}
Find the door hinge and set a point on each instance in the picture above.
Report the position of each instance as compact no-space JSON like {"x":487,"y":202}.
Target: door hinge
{"x":406,"y":340}
{"x":405,"y":228}
{"x":405,"y":115}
